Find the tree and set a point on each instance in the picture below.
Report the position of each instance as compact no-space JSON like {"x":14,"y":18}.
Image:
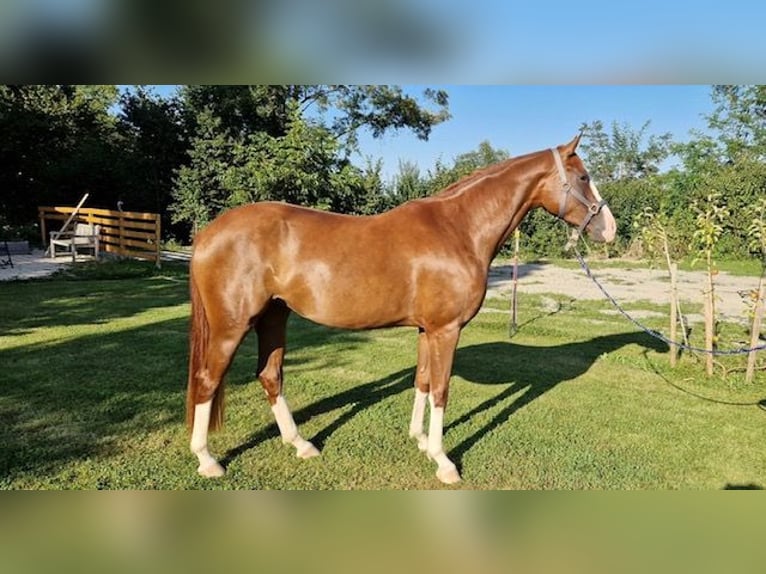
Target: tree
{"x":464,"y":164}
{"x":245,"y":110}
{"x":200,"y":191}
{"x":740,"y":120}
{"x":756,"y":232}
{"x":303,"y":167}
{"x":290,"y":143}
{"x":408,"y":183}
{"x":624,"y":153}
{"x":625,"y":164}
{"x":155,"y":135}
{"x":56,"y":143}
{"x":373,"y":196}
{"x":712,"y":219}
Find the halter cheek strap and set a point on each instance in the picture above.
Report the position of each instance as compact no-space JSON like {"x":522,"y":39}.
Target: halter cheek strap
{"x":593,"y":207}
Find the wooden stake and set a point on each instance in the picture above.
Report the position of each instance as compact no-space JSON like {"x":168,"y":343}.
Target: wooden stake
{"x":673,"y":313}
{"x":514,"y":323}
{"x":709,"y":332}
{"x":755,"y":333}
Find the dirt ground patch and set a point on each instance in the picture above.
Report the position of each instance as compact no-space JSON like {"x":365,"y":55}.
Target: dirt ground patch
{"x":625,"y":285}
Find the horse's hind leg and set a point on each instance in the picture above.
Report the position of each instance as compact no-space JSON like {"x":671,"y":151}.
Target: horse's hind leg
{"x":422,"y":386}
{"x":220,"y":352}
{"x":208,"y":466}
{"x":271,"y":328}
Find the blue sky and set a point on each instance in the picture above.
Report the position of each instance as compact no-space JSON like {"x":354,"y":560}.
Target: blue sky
{"x":521,"y":119}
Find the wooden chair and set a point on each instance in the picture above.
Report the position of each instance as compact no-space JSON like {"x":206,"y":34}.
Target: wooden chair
{"x":83,"y":236}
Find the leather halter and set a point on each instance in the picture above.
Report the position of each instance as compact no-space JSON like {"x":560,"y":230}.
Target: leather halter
{"x":593,"y":207}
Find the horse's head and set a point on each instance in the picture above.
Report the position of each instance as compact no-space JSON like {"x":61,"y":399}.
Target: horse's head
{"x":571,"y":195}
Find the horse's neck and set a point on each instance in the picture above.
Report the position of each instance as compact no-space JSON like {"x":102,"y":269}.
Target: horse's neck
{"x":493,"y":205}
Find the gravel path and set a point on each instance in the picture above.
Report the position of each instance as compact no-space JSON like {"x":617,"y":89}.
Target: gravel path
{"x":33,"y":265}
{"x":625,"y":285}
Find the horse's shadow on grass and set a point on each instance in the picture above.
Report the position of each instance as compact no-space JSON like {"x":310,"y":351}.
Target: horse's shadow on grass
{"x":360,"y":397}
{"x":516,"y":367}
{"x":528,"y":372}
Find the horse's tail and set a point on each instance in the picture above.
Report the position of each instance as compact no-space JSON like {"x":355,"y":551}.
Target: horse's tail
{"x":199,"y":339}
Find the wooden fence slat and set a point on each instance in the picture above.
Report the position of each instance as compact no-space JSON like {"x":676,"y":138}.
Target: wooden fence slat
{"x":97,"y":211}
{"x":114,"y":232}
{"x":129,"y":243}
{"x":148,"y":255}
{"x":113,"y":222}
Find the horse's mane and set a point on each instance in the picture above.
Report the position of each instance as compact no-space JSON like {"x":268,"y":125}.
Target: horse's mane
{"x":457,"y":187}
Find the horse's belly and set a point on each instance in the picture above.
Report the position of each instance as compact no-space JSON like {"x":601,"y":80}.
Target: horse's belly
{"x":350,"y":307}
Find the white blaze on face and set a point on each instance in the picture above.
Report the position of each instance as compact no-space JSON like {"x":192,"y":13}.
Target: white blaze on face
{"x":604,"y":224}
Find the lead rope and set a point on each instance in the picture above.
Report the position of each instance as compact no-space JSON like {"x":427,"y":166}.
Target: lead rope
{"x":656,"y":334}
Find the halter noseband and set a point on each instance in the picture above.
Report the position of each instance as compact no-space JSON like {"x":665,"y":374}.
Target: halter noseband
{"x":593,"y":208}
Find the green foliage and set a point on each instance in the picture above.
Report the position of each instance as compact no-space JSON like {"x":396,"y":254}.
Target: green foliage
{"x":738,"y":186}
{"x":711,"y":217}
{"x":58,"y":142}
{"x":464,"y":164}
{"x":408,"y":183}
{"x":203,"y":150}
{"x":254,"y":143}
{"x":298,"y":167}
{"x":628,"y":198}
{"x":654,"y":232}
{"x":200,"y":193}
{"x":371,"y":196}
{"x":756,"y":230}
{"x":378,"y":109}
{"x":699,"y":156}
{"x":542,"y":235}
{"x":756,"y":233}
{"x":155,"y":138}
{"x":304,"y":167}
{"x":740,"y":119}
{"x":624,"y":153}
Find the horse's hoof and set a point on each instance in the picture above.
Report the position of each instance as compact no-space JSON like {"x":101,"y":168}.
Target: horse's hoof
{"x":214,"y":470}
{"x":448,"y":475}
{"x":307,"y":451}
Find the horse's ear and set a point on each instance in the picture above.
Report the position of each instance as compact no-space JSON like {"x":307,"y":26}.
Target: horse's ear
{"x":572,"y":146}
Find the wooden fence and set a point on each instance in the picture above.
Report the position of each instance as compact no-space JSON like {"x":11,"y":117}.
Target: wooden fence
{"x":125,"y":233}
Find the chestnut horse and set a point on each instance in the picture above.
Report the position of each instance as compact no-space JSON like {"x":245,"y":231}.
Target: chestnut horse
{"x":422,"y":264}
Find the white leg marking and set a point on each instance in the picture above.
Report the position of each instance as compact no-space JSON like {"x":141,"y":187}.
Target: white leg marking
{"x":416,"y":422}
{"x":289,"y":430}
{"x":446,"y":471}
{"x":208,"y":466}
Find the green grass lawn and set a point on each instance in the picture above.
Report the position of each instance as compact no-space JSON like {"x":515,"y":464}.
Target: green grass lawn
{"x":94,"y":373}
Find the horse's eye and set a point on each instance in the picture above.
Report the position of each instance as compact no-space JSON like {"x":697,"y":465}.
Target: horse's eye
{"x":584,"y":178}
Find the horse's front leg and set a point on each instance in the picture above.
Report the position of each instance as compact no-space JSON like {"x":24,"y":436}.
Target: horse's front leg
{"x":441,"y":353}
{"x":422,"y":385}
